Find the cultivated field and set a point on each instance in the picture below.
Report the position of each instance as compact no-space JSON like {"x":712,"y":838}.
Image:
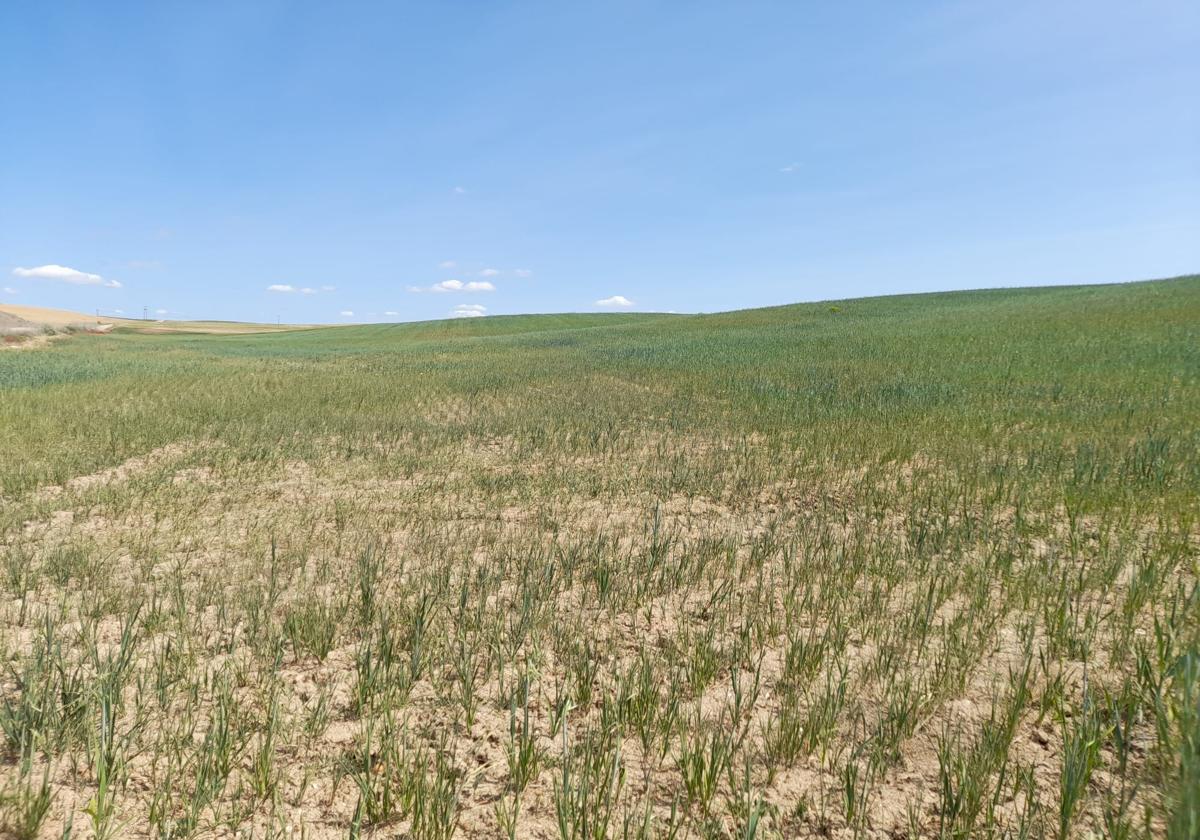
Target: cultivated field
{"x":904,"y":567}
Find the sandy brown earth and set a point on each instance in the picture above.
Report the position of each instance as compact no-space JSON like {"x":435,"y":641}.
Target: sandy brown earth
{"x":216,"y":546}
{"x":17,"y":333}
{"x":55,"y":317}
{"x":8,"y":320}
{"x":39,"y":316}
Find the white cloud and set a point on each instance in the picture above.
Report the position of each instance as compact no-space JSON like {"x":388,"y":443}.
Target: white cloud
{"x":346,"y":313}
{"x":471,"y":307}
{"x":489,"y":272}
{"x":65,"y":275}
{"x":522,"y":272}
{"x":288,"y":288}
{"x":615,"y":300}
{"x":468,"y":310}
{"x":459,"y":190}
{"x":790,"y":168}
{"x":447,"y":264}
{"x":391,"y":314}
{"x":9,"y":290}
{"x":458,"y":286}
{"x":160,"y":312}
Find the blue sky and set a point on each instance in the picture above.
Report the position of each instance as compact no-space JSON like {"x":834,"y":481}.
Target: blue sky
{"x":410,"y":161}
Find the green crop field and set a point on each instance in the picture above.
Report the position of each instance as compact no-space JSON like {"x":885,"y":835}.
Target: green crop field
{"x":919,"y":566}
